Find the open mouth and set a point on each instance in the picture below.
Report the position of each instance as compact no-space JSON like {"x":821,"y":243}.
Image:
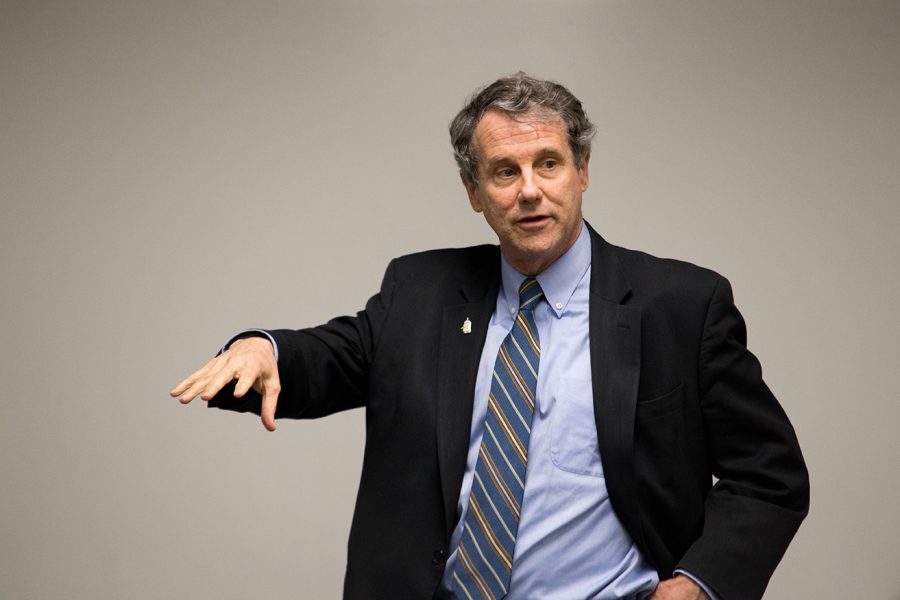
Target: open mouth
{"x":534,"y":221}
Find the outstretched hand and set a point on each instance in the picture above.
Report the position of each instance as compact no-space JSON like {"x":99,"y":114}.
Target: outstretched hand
{"x":250,"y":361}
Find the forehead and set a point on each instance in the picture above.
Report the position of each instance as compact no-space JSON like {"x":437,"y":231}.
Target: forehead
{"x":499,"y":135}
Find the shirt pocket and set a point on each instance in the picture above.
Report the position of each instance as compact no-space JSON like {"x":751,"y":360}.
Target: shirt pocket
{"x":573,"y":430}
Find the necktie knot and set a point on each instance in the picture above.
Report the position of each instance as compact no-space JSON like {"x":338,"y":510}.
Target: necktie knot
{"x":529,"y":293}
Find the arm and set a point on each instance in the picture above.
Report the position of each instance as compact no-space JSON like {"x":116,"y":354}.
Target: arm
{"x":318,"y":371}
{"x":762,"y":495}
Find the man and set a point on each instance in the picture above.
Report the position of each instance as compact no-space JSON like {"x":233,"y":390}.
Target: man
{"x":543,"y":421}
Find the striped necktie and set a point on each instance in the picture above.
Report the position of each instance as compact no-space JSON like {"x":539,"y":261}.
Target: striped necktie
{"x":484,"y":558}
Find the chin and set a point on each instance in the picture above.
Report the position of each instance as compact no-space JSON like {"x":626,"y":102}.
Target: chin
{"x":534,"y":254}
{"x":539,"y":247}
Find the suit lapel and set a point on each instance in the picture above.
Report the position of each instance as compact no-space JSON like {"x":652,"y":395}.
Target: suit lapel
{"x":615,"y":334}
{"x":460,"y":353}
{"x":615,"y":338}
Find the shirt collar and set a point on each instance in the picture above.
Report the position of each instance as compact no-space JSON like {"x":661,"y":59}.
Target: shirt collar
{"x":558,"y":281}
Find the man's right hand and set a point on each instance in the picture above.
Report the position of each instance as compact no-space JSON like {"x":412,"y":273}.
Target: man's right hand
{"x":251,"y":361}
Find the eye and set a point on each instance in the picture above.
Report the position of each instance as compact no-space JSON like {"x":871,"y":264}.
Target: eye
{"x":505,"y":173}
{"x":549,"y":163}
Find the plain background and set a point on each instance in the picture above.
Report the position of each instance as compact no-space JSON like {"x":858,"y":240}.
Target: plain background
{"x":172,"y":172}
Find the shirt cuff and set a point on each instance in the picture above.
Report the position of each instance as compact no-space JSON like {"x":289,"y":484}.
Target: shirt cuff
{"x":251,"y":333}
{"x":712,"y":595}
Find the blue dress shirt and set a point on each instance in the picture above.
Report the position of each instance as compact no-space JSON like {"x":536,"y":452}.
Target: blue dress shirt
{"x":570,"y":543}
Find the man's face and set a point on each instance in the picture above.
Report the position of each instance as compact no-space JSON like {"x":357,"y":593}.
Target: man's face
{"x":529,"y":188}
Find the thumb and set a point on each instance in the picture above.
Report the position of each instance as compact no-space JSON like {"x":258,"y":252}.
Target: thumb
{"x":269,"y":403}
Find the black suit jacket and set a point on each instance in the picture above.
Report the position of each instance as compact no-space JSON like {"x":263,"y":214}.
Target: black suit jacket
{"x":678,"y":399}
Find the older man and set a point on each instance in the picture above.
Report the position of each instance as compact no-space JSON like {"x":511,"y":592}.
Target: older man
{"x":544,"y":419}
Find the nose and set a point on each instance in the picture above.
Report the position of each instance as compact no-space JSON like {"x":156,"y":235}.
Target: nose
{"x":530,"y":190}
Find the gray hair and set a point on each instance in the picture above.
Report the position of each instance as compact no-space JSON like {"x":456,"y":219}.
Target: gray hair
{"x":517,"y":96}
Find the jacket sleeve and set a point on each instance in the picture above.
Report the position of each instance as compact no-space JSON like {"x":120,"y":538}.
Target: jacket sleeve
{"x":762,"y":492}
{"x":322,"y":369}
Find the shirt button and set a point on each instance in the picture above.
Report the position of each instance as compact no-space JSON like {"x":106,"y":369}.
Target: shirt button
{"x":559,"y":306}
{"x":437,"y":557}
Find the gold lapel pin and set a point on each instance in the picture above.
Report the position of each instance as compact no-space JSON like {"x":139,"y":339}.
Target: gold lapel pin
{"x":466,"y":326}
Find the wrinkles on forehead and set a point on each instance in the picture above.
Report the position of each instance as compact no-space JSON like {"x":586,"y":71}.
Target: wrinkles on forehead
{"x":498,"y":136}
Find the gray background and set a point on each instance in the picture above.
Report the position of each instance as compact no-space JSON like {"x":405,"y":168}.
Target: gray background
{"x":172,"y":172}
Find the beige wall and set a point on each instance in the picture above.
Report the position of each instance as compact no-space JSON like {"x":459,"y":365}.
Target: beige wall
{"x":173,"y":171}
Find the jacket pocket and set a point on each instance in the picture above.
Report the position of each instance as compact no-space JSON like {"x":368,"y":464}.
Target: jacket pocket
{"x":660,"y":406}
{"x":573,"y":430}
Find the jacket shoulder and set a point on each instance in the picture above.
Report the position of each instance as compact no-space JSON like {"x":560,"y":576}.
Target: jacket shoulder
{"x":450,"y":263}
{"x":648,"y":273}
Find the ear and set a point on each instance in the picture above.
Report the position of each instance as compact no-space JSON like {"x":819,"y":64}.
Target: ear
{"x":583,"y":172}
{"x":472,"y":191}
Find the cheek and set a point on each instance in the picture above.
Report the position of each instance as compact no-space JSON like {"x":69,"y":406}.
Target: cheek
{"x":497,"y":210}
{"x":494,"y":217}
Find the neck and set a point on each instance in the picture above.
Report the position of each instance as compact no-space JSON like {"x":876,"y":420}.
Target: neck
{"x":533,"y":265}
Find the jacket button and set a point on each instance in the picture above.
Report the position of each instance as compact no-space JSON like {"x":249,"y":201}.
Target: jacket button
{"x":438,"y":556}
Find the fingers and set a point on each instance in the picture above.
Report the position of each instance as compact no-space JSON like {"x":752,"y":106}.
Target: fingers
{"x":250,"y":361}
{"x":190,"y":380}
{"x":207,"y":381}
{"x":244,"y":382}
{"x":220,"y":379}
